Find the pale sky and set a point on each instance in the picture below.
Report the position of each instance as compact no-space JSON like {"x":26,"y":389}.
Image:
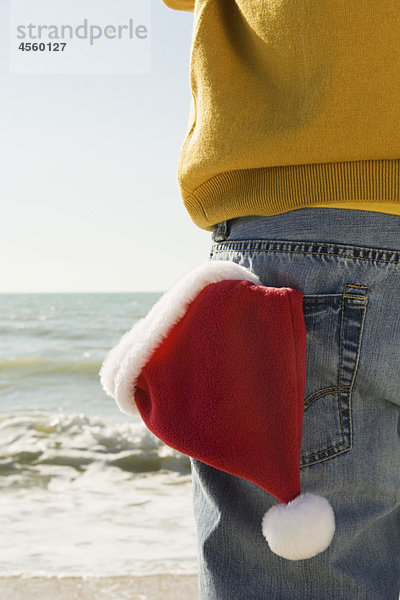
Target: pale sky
{"x":89,"y":195}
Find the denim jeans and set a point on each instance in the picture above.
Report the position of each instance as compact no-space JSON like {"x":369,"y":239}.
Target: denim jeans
{"x":347,"y":264}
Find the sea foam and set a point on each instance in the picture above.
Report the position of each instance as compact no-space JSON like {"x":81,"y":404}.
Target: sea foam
{"x":81,"y":495}
{"x":79,"y":440}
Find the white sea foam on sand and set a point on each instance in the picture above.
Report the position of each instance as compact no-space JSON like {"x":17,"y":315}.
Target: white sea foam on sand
{"x":92,"y":505}
{"x":80,"y":496}
{"x":150,"y":587}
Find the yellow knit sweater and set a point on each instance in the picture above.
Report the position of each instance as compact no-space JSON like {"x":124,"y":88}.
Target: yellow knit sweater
{"x":295,"y":103}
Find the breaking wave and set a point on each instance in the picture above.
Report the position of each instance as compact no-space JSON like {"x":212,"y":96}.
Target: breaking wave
{"x":77,"y":441}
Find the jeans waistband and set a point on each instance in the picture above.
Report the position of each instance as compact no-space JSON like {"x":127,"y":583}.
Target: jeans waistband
{"x":333,"y":225}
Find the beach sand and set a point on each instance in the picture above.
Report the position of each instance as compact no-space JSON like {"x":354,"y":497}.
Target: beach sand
{"x":146,"y":587}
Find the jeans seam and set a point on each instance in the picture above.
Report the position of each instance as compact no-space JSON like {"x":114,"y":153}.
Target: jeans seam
{"x":361,"y":328}
{"x":309,"y":243}
{"x":323,"y":392}
{"x":309,"y":252}
{"x":340,"y":388}
{"x":332,"y":455}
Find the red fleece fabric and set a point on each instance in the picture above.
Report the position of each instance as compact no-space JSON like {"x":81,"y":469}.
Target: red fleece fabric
{"x":227,"y":384}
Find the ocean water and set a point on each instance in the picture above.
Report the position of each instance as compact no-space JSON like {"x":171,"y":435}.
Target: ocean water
{"x":84,"y":489}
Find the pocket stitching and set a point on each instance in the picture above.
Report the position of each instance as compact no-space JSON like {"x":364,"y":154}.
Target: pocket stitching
{"x":339,"y":389}
{"x":307,"y":457}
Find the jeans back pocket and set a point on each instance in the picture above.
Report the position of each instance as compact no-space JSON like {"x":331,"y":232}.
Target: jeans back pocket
{"x":334,"y":325}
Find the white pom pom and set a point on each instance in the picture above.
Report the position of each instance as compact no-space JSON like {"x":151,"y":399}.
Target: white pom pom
{"x":301,"y":528}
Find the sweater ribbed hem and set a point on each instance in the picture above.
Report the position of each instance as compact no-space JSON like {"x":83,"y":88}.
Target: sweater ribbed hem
{"x":269,"y":191}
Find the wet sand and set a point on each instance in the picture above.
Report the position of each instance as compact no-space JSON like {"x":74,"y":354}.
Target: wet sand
{"x":146,"y":587}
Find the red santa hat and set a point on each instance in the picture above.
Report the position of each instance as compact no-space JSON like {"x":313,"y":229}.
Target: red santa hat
{"x":217,"y":371}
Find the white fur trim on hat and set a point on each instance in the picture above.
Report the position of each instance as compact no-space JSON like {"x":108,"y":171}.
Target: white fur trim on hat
{"x":125,"y":361}
{"x":301,"y":528}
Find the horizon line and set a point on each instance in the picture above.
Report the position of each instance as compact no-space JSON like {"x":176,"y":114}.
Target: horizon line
{"x":87,"y":292}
